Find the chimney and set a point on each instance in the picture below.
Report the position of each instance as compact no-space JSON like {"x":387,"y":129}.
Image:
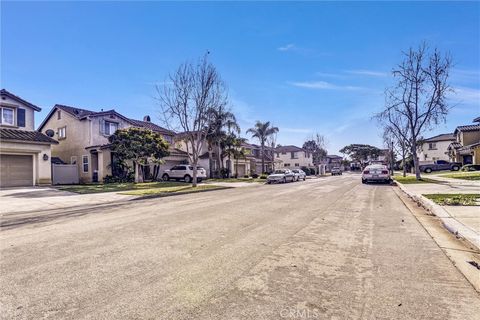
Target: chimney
{"x":146,"y":118}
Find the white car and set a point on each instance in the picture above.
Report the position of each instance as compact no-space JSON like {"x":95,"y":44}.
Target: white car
{"x":281,"y":175}
{"x":376,"y":173}
{"x":299,"y":174}
{"x":184,"y":172}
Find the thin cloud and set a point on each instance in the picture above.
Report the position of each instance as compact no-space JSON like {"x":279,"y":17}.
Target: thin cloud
{"x":369,"y":73}
{"x":288,"y":47}
{"x":466,"y":95}
{"x":323,"y":85}
{"x":296,"y":130}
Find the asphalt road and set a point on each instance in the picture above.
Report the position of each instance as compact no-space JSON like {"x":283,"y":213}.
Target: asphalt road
{"x":328,"y":248}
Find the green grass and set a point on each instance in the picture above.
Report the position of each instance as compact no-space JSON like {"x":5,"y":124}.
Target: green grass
{"x":412,"y":180}
{"x":117,"y":187}
{"x":457,"y":199}
{"x":237,"y":180}
{"x":463,"y":175}
{"x":164,"y":191}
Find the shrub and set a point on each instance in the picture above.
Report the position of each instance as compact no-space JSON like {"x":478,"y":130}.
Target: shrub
{"x":116,"y":179}
{"x":313,"y":171}
{"x":246,"y":176}
{"x":264,"y":176}
{"x":470,"y":167}
{"x":254,"y":175}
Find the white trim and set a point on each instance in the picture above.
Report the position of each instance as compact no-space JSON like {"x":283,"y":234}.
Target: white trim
{"x":87,"y":163}
{"x":13,"y":116}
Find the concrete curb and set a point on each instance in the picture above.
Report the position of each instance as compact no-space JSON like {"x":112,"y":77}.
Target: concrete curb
{"x":449,"y":222}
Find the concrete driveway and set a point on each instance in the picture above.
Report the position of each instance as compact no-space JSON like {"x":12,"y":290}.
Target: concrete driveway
{"x":327,"y":248}
{"x":41,"y":199}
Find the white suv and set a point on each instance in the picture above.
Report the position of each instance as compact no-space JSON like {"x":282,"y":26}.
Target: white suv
{"x":184,"y":172}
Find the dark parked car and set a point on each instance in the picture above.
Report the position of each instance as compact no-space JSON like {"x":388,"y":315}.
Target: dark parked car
{"x":439,"y":165}
{"x":471,"y":167}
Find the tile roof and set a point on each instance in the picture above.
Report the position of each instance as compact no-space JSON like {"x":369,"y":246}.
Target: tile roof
{"x":289,"y":148}
{"x":441,"y":137}
{"x":82,"y":113}
{"x":469,"y":127}
{"x":25,"y":136}
{"x":455,"y":145}
{"x":477,"y":119}
{"x":4,"y":92}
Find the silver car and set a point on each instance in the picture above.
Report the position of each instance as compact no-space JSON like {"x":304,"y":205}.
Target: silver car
{"x":281,"y":176}
{"x":299,"y":174}
{"x":376,"y":173}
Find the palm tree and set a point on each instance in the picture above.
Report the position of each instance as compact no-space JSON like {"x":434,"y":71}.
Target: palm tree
{"x":222,"y":123}
{"x":262,"y":131}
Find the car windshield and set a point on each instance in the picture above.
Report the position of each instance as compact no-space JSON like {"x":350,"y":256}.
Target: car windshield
{"x":296,"y":171}
{"x":198,"y":168}
{"x":279,"y":171}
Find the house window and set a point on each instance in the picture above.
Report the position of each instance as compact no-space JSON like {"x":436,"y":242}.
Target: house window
{"x":294,"y":155}
{"x":109,"y":128}
{"x":85,"y":163}
{"x":59,"y":115}
{"x":73,"y":160}
{"x":297,"y":165}
{"x":62,"y":133}
{"x":432,"y":146}
{"x":278,"y":155}
{"x":7,"y":116}
{"x":286,"y":165}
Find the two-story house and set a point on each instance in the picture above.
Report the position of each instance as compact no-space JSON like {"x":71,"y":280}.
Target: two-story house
{"x":24,"y":153}
{"x":435,"y":148}
{"x":466,"y":147}
{"x":293,"y":157}
{"x":332,"y":161}
{"x":83,"y":139}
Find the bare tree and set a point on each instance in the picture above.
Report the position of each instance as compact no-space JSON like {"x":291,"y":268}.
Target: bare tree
{"x":187,"y":99}
{"x":419,"y":97}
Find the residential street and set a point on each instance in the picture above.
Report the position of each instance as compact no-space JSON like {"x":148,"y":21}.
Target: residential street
{"x":327,"y":248}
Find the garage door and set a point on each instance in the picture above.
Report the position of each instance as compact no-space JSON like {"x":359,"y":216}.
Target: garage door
{"x":16,"y":171}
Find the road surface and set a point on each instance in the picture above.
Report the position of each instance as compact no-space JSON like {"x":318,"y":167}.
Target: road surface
{"x":328,"y":248}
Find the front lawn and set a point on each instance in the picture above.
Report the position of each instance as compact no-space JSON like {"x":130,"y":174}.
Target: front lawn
{"x":463,"y":175}
{"x":457,"y":199}
{"x":412,"y":180}
{"x":116,"y":187}
{"x":237,"y":180}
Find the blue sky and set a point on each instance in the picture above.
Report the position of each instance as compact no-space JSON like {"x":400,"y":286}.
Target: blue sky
{"x":307,"y":67}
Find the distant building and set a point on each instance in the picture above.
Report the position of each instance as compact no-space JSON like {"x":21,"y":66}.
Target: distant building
{"x":466,"y":147}
{"x":435,"y":148}
{"x":293,"y":157}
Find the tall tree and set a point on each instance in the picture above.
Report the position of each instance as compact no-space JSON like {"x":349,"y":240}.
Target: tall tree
{"x":140,"y":146}
{"x":187,"y":99}
{"x":360,"y":152}
{"x":316,"y":145}
{"x":261,"y":131}
{"x":419,"y":96}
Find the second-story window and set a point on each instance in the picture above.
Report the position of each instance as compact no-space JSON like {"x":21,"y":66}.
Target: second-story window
{"x":432,"y":146}
{"x":62,"y":133}
{"x":110,"y":127}
{"x":7,"y":116}
{"x":294,"y":155}
{"x":59,"y":115}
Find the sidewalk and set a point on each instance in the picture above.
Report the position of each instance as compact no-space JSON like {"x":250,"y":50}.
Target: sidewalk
{"x":460,"y":220}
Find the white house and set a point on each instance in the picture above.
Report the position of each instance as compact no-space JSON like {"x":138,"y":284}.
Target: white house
{"x":435,"y":148}
{"x":24,"y":153}
{"x":293,"y":157}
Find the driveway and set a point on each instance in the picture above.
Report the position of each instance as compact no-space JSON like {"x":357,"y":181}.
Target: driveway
{"x":327,"y":248}
{"x":41,"y":199}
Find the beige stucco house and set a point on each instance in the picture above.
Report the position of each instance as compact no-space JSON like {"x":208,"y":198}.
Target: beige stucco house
{"x":466,"y":147}
{"x":83,"y":139}
{"x":435,"y":148}
{"x":293,"y":157}
{"x":24,"y":153}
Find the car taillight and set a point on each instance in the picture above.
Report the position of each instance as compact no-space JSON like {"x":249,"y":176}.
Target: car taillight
{"x":366,"y":172}
{"x":384,"y":172}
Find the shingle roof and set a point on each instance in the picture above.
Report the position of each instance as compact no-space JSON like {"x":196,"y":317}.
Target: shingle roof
{"x":4,"y":92}
{"x":477,"y":119}
{"x":441,"y":137}
{"x":25,"y":136}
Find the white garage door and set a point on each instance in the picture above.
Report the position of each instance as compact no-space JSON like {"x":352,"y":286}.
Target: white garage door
{"x":16,"y":170}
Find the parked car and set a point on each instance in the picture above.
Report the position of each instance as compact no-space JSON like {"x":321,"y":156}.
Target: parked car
{"x":376,"y":173}
{"x":299,"y":174}
{"x":471,"y":167}
{"x":184,"y":172}
{"x":336,"y":171}
{"x":281,"y":175}
{"x":438,"y":165}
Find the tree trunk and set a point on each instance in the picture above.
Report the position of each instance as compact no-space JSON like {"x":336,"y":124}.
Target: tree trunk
{"x":262,"y":150}
{"x":415,"y":160}
{"x":210,"y":163}
{"x":220,"y":164}
{"x":137,"y":172}
{"x":194,"y":178}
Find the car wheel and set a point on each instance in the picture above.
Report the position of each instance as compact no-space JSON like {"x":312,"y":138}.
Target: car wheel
{"x":455,"y":168}
{"x":199,"y":180}
{"x":364,"y":181}
{"x":304,"y":178}
{"x":187,"y":179}
{"x":165,"y":177}
{"x":428,"y":170}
